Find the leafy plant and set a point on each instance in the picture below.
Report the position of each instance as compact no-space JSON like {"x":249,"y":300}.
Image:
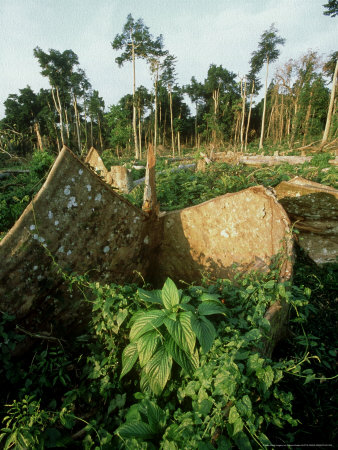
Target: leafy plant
{"x":160,"y":336}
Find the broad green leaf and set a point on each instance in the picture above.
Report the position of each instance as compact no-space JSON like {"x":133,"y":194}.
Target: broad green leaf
{"x":238,"y":425}
{"x":233,"y":414}
{"x":135,"y":429}
{"x":129,"y":358}
{"x":205,"y":332}
{"x":150,"y":296}
{"x":146,"y":346}
{"x":158,"y":370}
{"x":208,"y":308}
{"x":146,"y":321}
{"x":244,"y":406}
{"x":253,"y":335}
{"x":190,"y":337}
{"x":181,"y":331}
{"x":175,"y":330}
{"x":154,"y":414}
{"x":170,"y":294}
{"x":270,"y":284}
{"x":242,"y":441}
{"x":207,"y":297}
{"x":188,"y":362}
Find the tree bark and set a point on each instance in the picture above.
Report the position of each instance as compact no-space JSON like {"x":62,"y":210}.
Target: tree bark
{"x":249,"y":116}
{"x":329,"y":112}
{"x":137,"y":153}
{"x":171,"y":122}
{"x":38,"y":136}
{"x":264,"y":107}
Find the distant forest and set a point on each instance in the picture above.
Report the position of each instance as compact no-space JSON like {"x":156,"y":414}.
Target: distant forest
{"x":298,"y":106}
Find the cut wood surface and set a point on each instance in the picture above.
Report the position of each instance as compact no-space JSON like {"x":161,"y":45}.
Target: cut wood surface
{"x":313,"y":208}
{"x":78,"y":224}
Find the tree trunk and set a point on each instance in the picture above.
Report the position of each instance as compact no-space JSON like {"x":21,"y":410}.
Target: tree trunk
{"x":137,"y":153}
{"x":77,"y":120}
{"x":140,"y":132}
{"x":58,"y":107}
{"x":100,"y":132}
{"x":38,"y":136}
{"x":171,"y":122}
{"x":243,"y":112}
{"x":329,"y":112}
{"x":249,"y":116}
{"x":155,"y":112}
{"x":264,"y":107}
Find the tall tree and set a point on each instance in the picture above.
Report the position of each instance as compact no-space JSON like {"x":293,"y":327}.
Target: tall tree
{"x":267,"y":53}
{"x":135,"y":41}
{"x":328,"y":67}
{"x":169,"y":79}
{"x":195,"y":92}
{"x":155,"y":60}
{"x":65,"y":78}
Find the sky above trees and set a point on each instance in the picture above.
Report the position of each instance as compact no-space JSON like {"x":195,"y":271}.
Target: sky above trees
{"x":198,"y":32}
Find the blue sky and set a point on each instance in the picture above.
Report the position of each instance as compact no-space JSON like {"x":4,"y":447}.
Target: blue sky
{"x":198,"y":32}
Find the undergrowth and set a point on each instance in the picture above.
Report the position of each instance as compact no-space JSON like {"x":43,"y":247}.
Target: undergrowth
{"x":72,"y":394}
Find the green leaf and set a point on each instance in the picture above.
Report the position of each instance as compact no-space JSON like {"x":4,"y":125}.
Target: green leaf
{"x":244,"y":406}
{"x":170,"y":294}
{"x":146,"y":346}
{"x":205,"y":332}
{"x":253,"y":335}
{"x":145,"y":321}
{"x":188,"y":362}
{"x":129,"y":358}
{"x":135,"y":429}
{"x":150,"y":296}
{"x":233,"y":414}
{"x":270,"y":284}
{"x":180,"y":330}
{"x":207,"y":297}
{"x":208,"y":308}
{"x":158,"y":370}
{"x":154,"y":414}
{"x":238,"y":425}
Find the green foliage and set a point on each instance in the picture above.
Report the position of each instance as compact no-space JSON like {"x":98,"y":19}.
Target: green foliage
{"x":160,"y":336}
{"x":17,"y":191}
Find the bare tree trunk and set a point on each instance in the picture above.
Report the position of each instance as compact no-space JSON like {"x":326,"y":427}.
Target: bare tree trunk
{"x":307,"y":119}
{"x":91,"y":132}
{"x":100,"y":132}
{"x":59,"y":110}
{"x":249,"y":116}
{"x":137,"y":154}
{"x":329,"y":112}
{"x":243,"y":111}
{"x":171,"y":122}
{"x":77,"y":121}
{"x":264,"y":107}
{"x":67,"y":123}
{"x":139,"y":132}
{"x":155,"y":112}
{"x":38,"y":136}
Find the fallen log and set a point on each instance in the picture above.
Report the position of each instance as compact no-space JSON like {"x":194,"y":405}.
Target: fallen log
{"x":7,"y":173}
{"x":258,"y":160}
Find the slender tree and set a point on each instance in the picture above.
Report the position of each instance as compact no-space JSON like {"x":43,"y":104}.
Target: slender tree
{"x":168,"y":78}
{"x":267,"y":53}
{"x":328,"y":68}
{"x":135,"y":41}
